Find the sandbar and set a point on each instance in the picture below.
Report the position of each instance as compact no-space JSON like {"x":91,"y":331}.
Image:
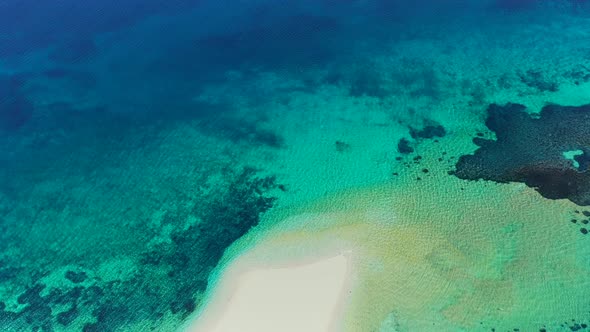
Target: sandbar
{"x":300,"y":297}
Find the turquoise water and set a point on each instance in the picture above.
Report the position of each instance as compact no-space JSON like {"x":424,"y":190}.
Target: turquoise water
{"x":140,"y":139}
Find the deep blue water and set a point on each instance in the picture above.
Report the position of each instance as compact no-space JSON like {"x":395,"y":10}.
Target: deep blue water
{"x":85,"y":84}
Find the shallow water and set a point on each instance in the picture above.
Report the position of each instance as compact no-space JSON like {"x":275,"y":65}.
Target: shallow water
{"x":141,"y":139}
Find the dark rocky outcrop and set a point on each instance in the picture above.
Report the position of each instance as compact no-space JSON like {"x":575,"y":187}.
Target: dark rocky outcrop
{"x":530,"y":149}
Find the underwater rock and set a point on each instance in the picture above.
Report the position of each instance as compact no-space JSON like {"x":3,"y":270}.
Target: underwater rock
{"x":67,"y":317}
{"x":15,"y":108}
{"x":368,"y":82}
{"x":218,"y":120}
{"x":31,"y":295}
{"x":429,"y":131}
{"x":7,"y":273}
{"x":184,"y":306}
{"x":264,"y":44}
{"x":536,"y":79}
{"x":91,"y":327}
{"x":342,"y":146}
{"x":403,"y":146}
{"x":76,"y":277}
{"x":531,"y":150}
{"x":74,"y":51}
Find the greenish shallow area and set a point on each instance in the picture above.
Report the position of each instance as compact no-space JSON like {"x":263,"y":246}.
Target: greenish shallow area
{"x":134,"y":151}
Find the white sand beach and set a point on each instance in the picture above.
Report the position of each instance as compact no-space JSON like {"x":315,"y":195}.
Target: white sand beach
{"x":301,"y":297}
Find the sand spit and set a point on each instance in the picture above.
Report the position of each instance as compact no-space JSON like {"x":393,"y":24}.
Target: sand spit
{"x":298,"y":297}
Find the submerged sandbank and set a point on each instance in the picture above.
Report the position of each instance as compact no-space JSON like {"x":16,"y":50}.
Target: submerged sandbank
{"x":487,"y":256}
